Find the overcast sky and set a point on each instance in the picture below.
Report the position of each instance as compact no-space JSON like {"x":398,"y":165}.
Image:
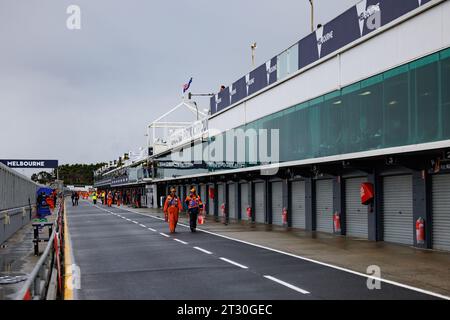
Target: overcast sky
{"x":87,"y":95}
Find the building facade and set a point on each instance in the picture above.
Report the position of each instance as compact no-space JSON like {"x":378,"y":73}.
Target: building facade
{"x":362,"y":101}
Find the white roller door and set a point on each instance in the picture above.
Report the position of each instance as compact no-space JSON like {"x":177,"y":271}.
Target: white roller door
{"x":260,"y":214}
{"x":244,"y":201}
{"x":324,"y":205}
{"x":441,"y":212}
{"x":355,"y":212}
{"x":232,"y":201}
{"x":277,"y":203}
{"x":398,"y":209}
{"x":298,"y":204}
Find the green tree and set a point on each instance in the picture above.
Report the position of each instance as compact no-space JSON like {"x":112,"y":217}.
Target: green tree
{"x":78,"y":174}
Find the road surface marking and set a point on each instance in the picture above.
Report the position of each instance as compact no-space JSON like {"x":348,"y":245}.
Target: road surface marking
{"x":235,"y":263}
{"x":135,"y":222}
{"x":142,"y":225}
{"x":203,"y":250}
{"x":290,"y":286}
{"x":180,"y":241}
{"x":165,"y":235}
{"x":151,"y":229}
{"x":398,"y":284}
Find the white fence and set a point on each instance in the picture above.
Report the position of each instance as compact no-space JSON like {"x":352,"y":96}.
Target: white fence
{"x":17,"y":201}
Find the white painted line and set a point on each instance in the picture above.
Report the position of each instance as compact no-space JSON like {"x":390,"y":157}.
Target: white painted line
{"x":180,"y":241}
{"x":434,"y":294}
{"x":135,"y":222}
{"x":142,"y":225}
{"x":165,"y":235}
{"x":290,"y":286}
{"x":235,"y":263}
{"x":151,"y":229}
{"x":203,"y":250}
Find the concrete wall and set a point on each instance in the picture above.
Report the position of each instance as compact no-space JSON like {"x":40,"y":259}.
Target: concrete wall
{"x":17,"y":200}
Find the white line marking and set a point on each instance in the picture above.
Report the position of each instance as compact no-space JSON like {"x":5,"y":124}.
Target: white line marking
{"x":309,"y":260}
{"x":203,"y":250}
{"x":290,"y":286}
{"x":165,"y":235}
{"x":151,"y":229}
{"x":235,"y":263}
{"x":180,"y":241}
{"x":142,"y":225}
{"x":135,"y":222}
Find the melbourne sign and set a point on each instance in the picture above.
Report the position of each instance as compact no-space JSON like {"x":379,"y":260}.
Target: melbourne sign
{"x":35,"y":164}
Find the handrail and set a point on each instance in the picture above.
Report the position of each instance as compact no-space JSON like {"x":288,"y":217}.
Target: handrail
{"x":17,"y":208}
{"x":35,"y":287}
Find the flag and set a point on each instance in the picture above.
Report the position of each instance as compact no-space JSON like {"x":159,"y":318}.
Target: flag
{"x":187,"y":85}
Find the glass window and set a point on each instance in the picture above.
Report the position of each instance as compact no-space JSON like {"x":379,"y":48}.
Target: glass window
{"x":396,"y":108}
{"x":282,"y":65}
{"x":445,"y":95}
{"x":424,"y":84}
{"x":293,"y":59}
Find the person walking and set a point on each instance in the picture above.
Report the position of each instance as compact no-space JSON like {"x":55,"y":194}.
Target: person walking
{"x":172,"y":208}
{"x":194,"y":205}
{"x":77,"y":197}
{"x":109,"y":198}
{"x":73,"y":198}
{"x":94,"y":198}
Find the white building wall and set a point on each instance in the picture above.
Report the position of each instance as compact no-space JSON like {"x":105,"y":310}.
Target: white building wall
{"x":423,"y":34}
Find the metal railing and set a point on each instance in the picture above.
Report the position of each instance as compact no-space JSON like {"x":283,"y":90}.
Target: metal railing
{"x":49,"y":266}
{"x":12,"y":220}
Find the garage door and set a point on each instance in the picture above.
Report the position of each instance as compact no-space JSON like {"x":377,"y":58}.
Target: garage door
{"x":277,"y":203}
{"x":232,"y":201}
{"x":441,"y":212}
{"x":355,"y":212}
{"x":397,"y":209}
{"x":324,"y":205}
{"x":220,"y":198}
{"x":244,"y":201}
{"x":298,"y":204}
{"x":260,"y":215}
{"x":211,"y":202}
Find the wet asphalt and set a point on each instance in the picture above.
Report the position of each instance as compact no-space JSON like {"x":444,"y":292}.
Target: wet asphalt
{"x":131,"y":259}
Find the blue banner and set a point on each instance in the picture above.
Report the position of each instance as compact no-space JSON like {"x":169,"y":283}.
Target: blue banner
{"x":35,"y":164}
{"x":358,"y":21}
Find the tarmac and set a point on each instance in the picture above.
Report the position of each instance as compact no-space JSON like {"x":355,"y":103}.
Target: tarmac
{"x":425,"y":269}
{"x":125,"y":253}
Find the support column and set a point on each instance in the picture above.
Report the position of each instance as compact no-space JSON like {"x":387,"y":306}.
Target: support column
{"x":286,"y":188}
{"x":268,"y":201}
{"x":238,"y":200}
{"x":251,"y":198}
{"x":216,"y":200}
{"x":339,"y":203}
{"x":310,"y":216}
{"x":422,"y":206}
{"x":374,"y":213}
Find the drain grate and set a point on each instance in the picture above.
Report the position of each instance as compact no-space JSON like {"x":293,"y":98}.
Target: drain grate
{"x":12,"y":279}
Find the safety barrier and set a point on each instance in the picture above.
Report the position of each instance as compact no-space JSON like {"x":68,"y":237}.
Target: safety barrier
{"x":17,"y":199}
{"x":46,"y":279}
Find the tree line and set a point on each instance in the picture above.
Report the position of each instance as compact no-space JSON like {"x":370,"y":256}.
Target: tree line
{"x":71,"y":174}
